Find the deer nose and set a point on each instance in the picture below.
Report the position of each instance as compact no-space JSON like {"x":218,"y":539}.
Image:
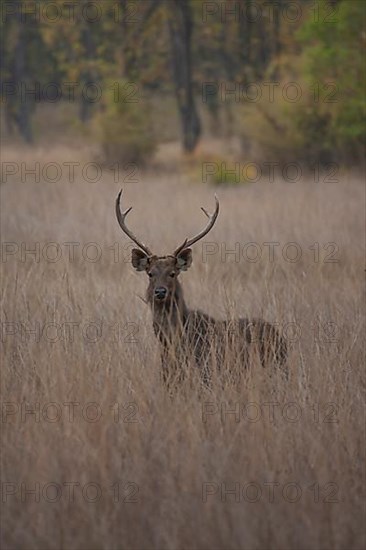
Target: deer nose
{"x":160,"y":292}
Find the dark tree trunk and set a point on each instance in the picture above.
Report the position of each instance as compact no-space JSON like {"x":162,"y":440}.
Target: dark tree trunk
{"x":128,"y":65}
{"x":277,"y":26}
{"x":181,"y":26}
{"x":263,"y":55}
{"x":25,"y":101}
{"x":276,"y":35}
{"x":245,"y":38}
{"x":132,"y":33}
{"x":87,"y":76}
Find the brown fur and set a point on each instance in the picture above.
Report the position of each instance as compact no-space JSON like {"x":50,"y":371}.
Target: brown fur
{"x":191,"y":336}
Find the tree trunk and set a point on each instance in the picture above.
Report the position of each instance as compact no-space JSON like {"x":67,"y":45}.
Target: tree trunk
{"x":277,"y":36}
{"x":24,"y":101}
{"x":245,"y":25}
{"x":87,"y":76}
{"x":181,"y":26}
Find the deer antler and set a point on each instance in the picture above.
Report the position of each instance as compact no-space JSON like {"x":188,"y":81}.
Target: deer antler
{"x":212,"y":218}
{"x":121,"y":216}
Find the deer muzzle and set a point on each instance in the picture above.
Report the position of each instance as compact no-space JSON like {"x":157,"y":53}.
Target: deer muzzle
{"x":160,"y":293}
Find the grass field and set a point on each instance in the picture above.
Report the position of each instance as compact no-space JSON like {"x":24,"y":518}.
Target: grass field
{"x":108,"y":460}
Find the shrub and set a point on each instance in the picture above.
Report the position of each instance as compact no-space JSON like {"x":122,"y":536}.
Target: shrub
{"x":123,"y":127}
{"x":326,"y":123}
{"x":218,"y":169}
{"x":287,"y":132}
{"x":228,"y":172}
{"x":334,"y":58}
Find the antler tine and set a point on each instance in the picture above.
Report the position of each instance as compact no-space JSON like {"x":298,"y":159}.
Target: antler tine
{"x":121,"y":216}
{"x":212,"y":219}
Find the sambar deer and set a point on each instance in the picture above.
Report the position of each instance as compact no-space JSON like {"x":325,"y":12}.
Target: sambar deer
{"x":191,"y":336}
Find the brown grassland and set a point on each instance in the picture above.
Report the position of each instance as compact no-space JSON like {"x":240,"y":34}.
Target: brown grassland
{"x":154,"y":472}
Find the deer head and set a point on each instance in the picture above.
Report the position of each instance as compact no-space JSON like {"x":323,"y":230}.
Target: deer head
{"x":163,"y":271}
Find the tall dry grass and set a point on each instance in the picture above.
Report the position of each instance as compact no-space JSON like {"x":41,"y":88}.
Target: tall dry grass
{"x":292,"y":452}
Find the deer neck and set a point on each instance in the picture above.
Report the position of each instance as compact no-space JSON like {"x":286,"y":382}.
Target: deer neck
{"x":169,"y":317}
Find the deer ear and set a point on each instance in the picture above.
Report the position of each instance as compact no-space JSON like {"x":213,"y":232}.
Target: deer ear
{"x":139,"y":259}
{"x":184,"y":259}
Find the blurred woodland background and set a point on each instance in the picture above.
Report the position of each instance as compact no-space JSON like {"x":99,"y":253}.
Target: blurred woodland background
{"x":128,"y":76}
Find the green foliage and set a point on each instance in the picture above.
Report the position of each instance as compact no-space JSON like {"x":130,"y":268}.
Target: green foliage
{"x":227,"y":172}
{"x":333,"y":53}
{"x":327,"y":122}
{"x":322,"y":51}
{"x":219,"y":169}
{"x":123,"y":127}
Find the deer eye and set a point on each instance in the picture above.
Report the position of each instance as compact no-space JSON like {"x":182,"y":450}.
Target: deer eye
{"x":172,"y":274}
{"x":149,"y":274}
